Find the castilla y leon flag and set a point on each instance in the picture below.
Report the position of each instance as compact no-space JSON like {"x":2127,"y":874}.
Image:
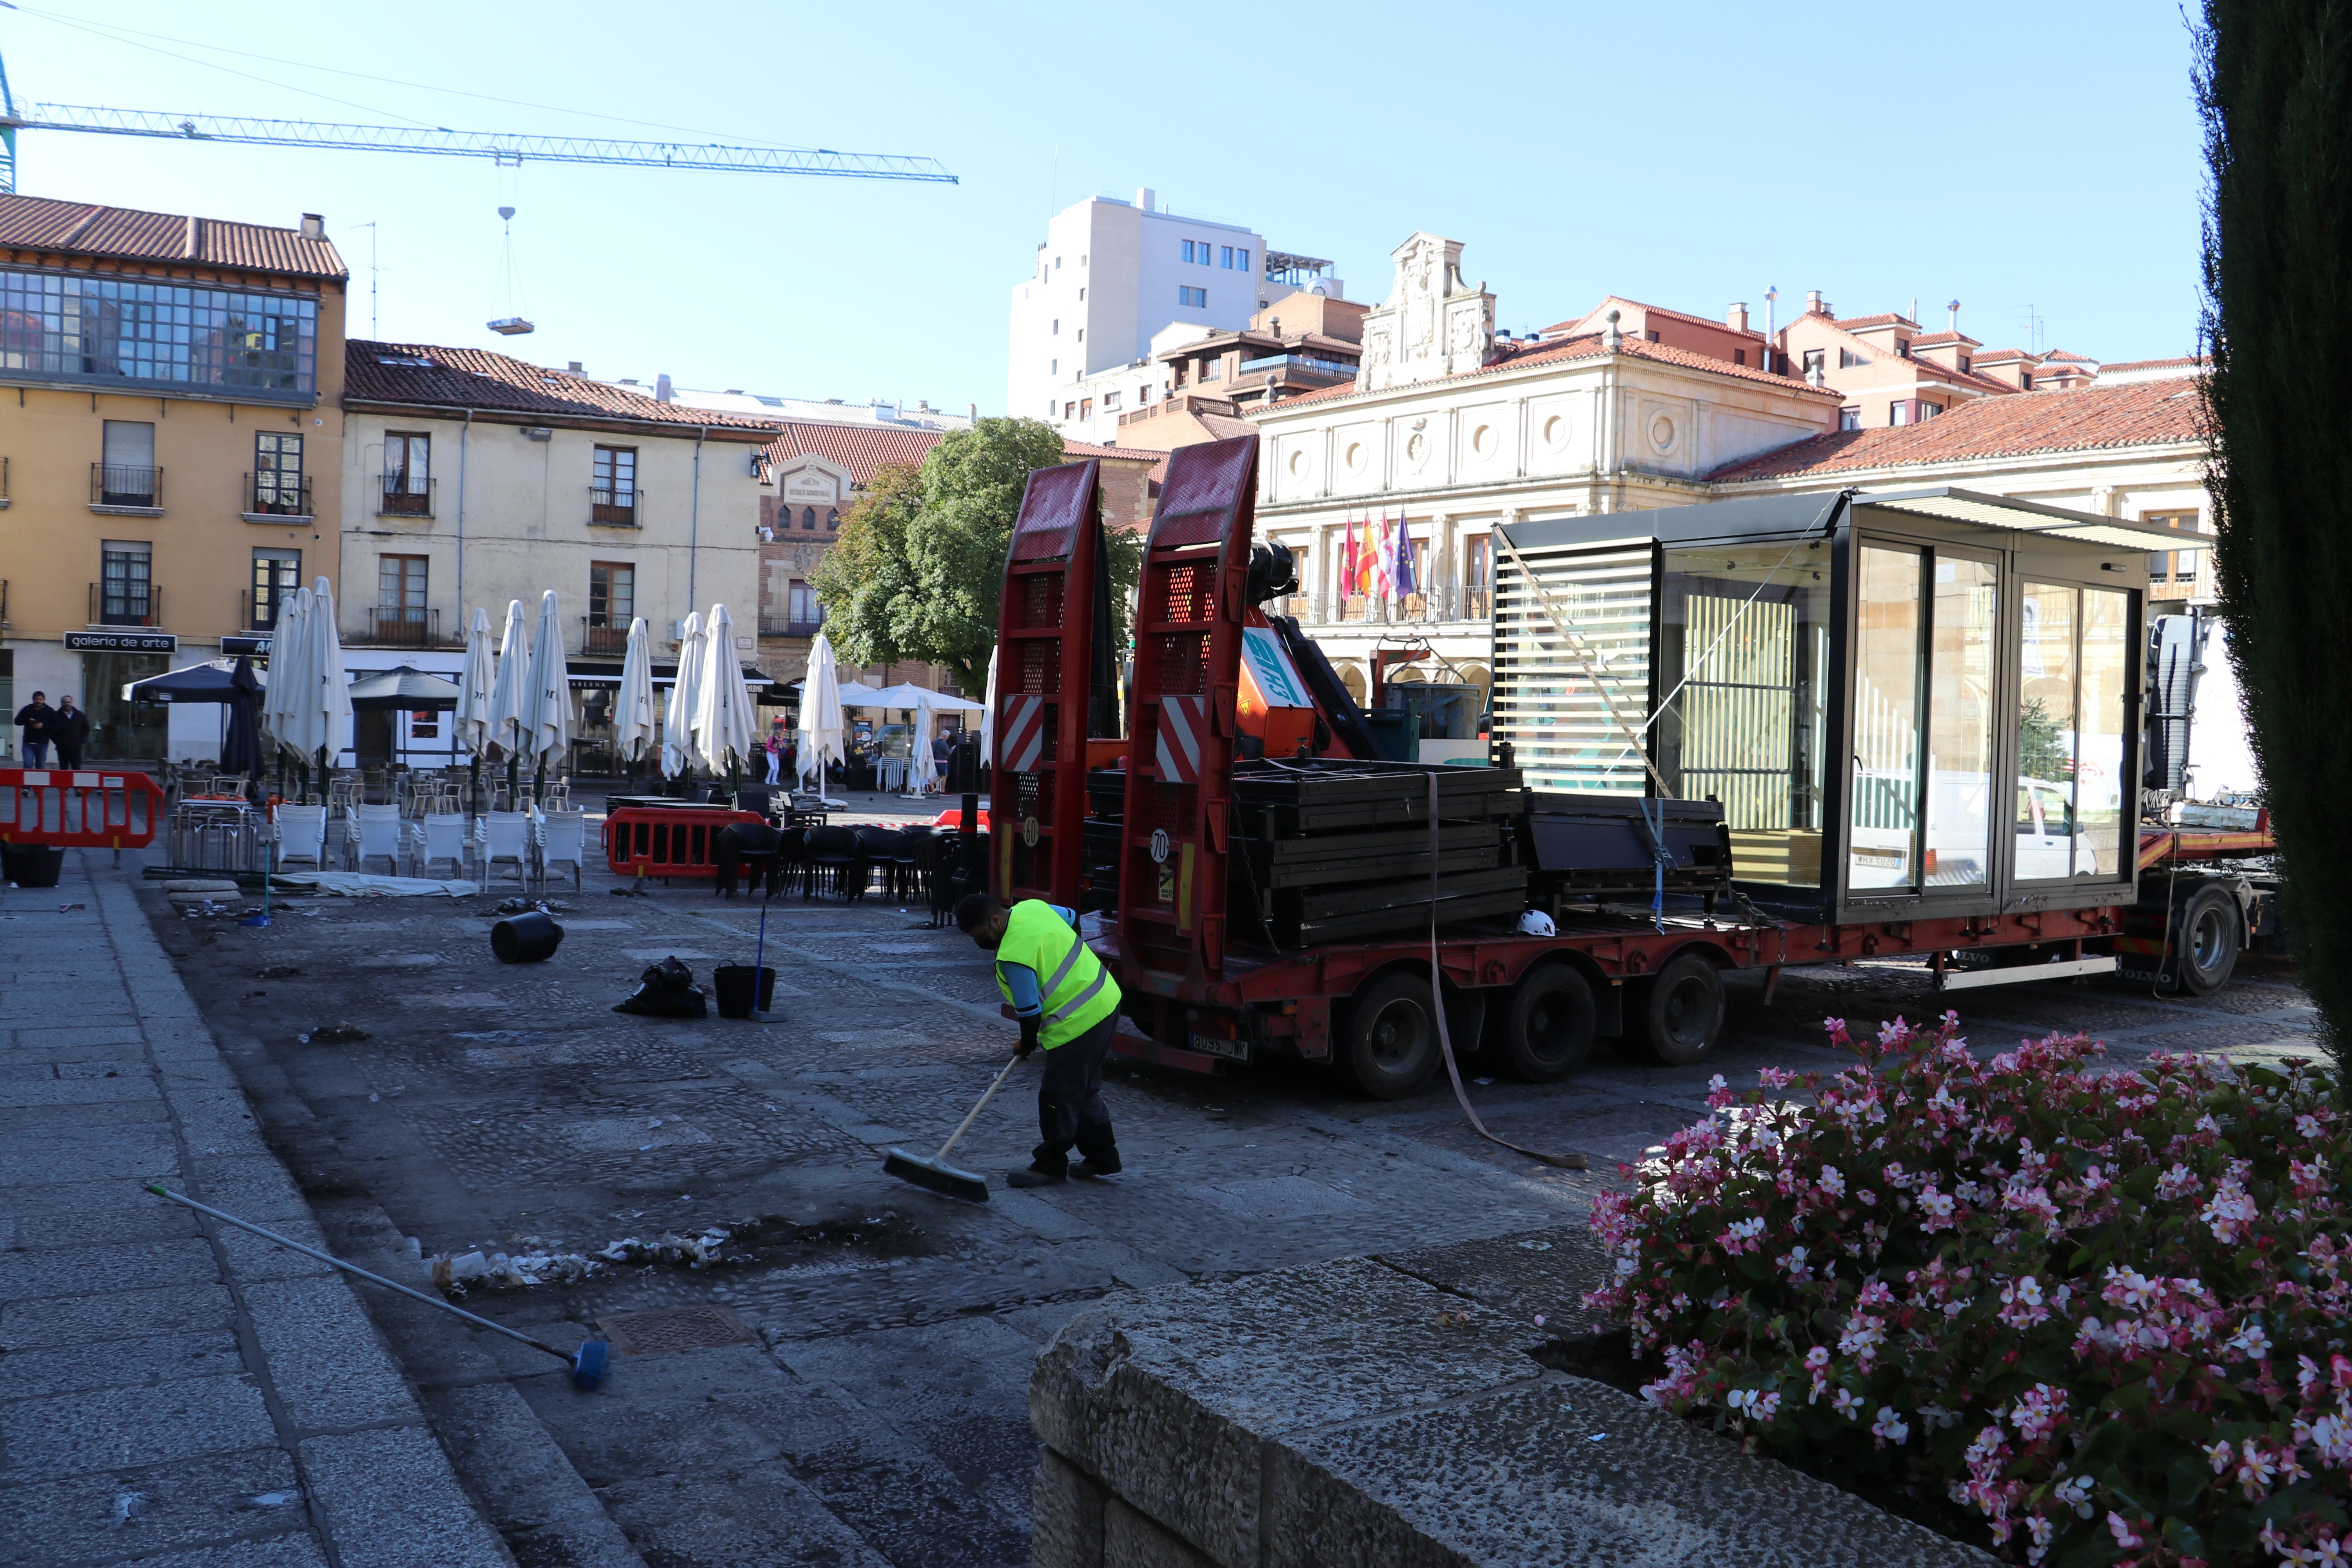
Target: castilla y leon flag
{"x":1348,"y":557}
{"x":1380,"y":585}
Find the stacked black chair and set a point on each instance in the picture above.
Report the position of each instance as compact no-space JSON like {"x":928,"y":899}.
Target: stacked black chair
{"x":910,"y":868}
{"x":877,"y":852}
{"x":833,"y":863}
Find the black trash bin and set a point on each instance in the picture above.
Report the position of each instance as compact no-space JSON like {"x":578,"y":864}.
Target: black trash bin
{"x":526,"y":939}
{"x":32,"y":864}
{"x":734,"y":984}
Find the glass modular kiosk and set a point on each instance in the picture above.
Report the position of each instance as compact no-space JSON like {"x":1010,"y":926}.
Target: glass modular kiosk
{"x":1911,"y":704}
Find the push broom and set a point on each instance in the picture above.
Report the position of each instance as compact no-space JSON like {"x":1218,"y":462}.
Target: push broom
{"x":588,"y":1365}
{"x":933,"y":1171}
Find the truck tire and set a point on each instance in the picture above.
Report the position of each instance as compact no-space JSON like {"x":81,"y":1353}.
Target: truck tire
{"x":1549,"y":1026}
{"x":1679,"y":1013}
{"x":2206,"y":936}
{"x":1391,"y":1047}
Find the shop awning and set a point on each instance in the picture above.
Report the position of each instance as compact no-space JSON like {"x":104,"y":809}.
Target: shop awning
{"x":588,"y":674}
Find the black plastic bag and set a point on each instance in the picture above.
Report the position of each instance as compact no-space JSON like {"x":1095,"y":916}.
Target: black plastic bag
{"x":666,"y":990}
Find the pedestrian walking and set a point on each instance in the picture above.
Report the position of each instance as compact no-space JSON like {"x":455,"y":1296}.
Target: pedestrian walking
{"x":1067,"y":1006}
{"x":70,"y":729}
{"x":34,"y":717}
{"x":941,"y":747}
{"x":775,"y":746}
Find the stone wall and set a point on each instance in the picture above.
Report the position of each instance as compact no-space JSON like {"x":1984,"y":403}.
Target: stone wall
{"x":1391,"y":1410}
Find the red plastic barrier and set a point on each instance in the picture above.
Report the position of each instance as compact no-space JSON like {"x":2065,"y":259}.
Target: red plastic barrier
{"x":667,"y":841}
{"x":87,"y":808}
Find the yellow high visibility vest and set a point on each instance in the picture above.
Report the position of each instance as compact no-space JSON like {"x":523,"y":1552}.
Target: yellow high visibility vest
{"x":1078,"y":990}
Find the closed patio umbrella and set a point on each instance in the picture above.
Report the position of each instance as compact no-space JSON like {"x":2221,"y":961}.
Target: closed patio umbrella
{"x":821,"y":722}
{"x":725,"y":728}
{"x":633,"y":705}
{"x":332,"y":695}
{"x":505,"y":742}
{"x":545,"y":729}
{"x":679,"y":755}
{"x":241,"y":750}
{"x":476,"y":686}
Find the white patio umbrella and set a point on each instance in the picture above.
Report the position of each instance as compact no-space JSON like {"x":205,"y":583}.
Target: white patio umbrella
{"x":677,"y":722}
{"x":288,"y":646}
{"x":329,"y":699}
{"x":988,"y":713}
{"x":821,"y":723}
{"x":633,"y":705}
{"x":507,"y":687}
{"x":543,"y":729}
{"x":856,"y":694}
{"x":475,"y":686}
{"x":724,"y":725}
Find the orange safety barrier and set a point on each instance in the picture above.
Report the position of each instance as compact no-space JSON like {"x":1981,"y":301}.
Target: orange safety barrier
{"x":86,"y":808}
{"x":667,"y":841}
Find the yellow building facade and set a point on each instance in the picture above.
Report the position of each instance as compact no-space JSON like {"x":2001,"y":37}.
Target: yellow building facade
{"x":171,"y":447}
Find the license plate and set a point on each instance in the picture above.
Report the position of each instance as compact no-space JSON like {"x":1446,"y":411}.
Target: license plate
{"x":1218,"y":1046}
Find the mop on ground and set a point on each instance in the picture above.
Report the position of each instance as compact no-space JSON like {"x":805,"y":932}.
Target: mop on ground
{"x":588,"y":1365}
{"x":933,"y":1171}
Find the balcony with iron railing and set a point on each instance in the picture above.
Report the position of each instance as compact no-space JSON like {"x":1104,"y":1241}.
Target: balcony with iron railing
{"x":607,"y":641}
{"x":614,"y":506}
{"x":1435,"y":606}
{"x":405,"y":495}
{"x":785,"y":626}
{"x":269,"y":497}
{"x":403,"y":626}
{"x":126,"y":605}
{"x":114,"y":488}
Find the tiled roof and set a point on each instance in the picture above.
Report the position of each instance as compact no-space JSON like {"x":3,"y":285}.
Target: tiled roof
{"x":2184,"y":363}
{"x":81,"y":228}
{"x":1078,"y":451}
{"x":2000,"y":356}
{"x":1857,"y":324}
{"x":2153,"y":414}
{"x":1562,"y":351}
{"x":2056,"y":355}
{"x":429,"y":376}
{"x":1938,"y":340}
{"x":1650,"y":311}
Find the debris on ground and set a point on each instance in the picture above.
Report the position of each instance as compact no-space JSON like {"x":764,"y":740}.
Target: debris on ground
{"x":771,"y":1239}
{"x":278,"y":971}
{"x":522,"y":907}
{"x":333,"y":1035}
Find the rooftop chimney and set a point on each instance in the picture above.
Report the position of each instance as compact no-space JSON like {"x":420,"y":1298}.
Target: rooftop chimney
{"x":1954,"y":307}
{"x":313,"y":227}
{"x":1143,"y":197}
{"x":1814,"y":306}
{"x":663,"y":392}
{"x":1736,"y":318}
{"x":573,"y":366}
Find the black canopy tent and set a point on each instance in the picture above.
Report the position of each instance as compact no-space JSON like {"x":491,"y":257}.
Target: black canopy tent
{"x":403,"y":689}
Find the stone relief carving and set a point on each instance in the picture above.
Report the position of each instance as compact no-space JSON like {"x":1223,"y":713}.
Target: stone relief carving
{"x":1432,"y":323}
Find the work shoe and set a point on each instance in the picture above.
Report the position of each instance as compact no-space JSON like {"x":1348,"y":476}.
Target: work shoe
{"x":1089,"y":1170}
{"x":1033,"y":1177}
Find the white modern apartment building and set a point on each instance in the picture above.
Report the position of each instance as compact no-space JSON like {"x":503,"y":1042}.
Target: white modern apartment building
{"x":1110,"y":277}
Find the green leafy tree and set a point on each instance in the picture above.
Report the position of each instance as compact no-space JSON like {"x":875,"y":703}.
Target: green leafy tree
{"x":2274,"y":82}
{"x":920,"y":562}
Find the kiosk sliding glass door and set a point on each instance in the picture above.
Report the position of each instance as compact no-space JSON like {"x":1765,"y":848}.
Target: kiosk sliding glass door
{"x":2074,"y":663}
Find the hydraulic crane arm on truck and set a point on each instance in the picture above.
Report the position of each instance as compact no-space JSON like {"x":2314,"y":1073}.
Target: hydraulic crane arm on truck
{"x":1771,"y":733}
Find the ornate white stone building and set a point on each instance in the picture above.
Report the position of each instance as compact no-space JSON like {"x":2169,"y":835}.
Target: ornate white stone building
{"x":1452,"y":428}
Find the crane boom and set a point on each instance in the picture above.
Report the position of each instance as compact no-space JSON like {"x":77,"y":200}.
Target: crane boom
{"x":497,"y":145}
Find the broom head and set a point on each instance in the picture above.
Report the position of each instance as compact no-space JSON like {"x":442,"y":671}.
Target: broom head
{"x":936,"y":1175}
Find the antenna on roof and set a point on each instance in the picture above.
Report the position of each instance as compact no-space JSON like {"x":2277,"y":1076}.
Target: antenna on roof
{"x":511,"y":324}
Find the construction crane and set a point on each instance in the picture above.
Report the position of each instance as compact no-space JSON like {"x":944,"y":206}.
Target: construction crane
{"x":497,"y":146}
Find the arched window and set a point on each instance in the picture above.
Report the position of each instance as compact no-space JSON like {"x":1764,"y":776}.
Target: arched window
{"x":831,"y":517}
{"x":808,"y":517}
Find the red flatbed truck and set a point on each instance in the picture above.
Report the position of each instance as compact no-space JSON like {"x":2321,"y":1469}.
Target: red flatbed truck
{"x":2016,"y":629}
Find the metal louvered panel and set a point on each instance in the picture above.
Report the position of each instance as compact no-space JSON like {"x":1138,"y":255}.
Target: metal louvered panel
{"x":1547,"y":701}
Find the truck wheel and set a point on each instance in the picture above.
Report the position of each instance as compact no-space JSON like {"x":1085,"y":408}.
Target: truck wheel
{"x":1392,"y":1044}
{"x":1679,"y":1013}
{"x":1549,"y":1026}
{"x":2205,"y":939}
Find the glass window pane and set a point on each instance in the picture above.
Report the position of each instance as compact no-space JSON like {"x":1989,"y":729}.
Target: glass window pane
{"x":2100,"y":787}
{"x":1889,"y":659}
{"x":1960,"y":717}
{"x":1743,"y":648}
{"x":2047,"y":671}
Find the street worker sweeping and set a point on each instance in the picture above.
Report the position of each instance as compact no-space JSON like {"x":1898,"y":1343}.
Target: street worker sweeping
{"x":1067,"y":1003}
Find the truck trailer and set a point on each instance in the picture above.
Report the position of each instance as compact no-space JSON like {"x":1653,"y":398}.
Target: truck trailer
{"x":1800,"y":729}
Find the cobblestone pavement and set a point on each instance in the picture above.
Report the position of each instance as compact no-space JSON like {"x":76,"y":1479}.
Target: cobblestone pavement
{"x":875,"y":1409}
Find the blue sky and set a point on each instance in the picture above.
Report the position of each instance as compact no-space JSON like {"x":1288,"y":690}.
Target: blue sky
{"x":2039,"y":163}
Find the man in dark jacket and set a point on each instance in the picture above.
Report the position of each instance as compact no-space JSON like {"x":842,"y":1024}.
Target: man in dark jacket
{"x":69,"y":729}
{"x":34,"y":717}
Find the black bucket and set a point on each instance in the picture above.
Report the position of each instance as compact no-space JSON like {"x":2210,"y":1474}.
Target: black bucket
{"x":526,"y":939}
{"x":34,"y":864}
{"x":734,"y":984}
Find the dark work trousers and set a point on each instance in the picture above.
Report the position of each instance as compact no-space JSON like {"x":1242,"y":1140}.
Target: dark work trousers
{"x":1070,"y":1108}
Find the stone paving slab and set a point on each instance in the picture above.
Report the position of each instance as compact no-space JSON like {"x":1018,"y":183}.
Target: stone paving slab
{"x":177,"y":1391}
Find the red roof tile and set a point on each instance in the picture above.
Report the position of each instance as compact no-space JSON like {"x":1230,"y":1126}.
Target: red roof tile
{"x":1857,"y":324}
{"x":82,"y":228}
{"x":424,"y":374}
{"x":2152,"y":413}
{"x":1560,"y":351}
{"x":865,"y":450}
{"x":1938,"y":340}
{"x":2000,"y":356}
{"x":2184,"y":362}
{"x":1651,"y":310}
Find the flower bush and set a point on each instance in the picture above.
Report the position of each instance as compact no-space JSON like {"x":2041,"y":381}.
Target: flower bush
{"x":2099,"y":1317}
